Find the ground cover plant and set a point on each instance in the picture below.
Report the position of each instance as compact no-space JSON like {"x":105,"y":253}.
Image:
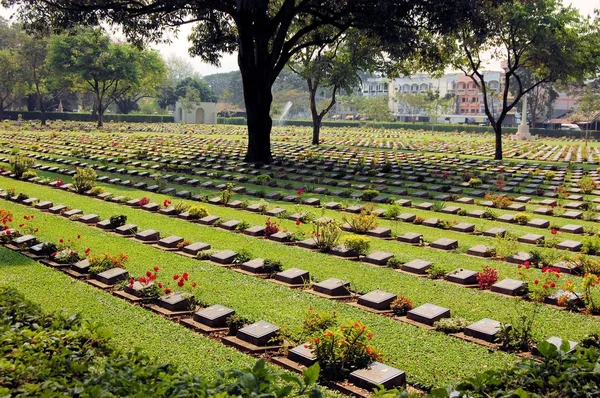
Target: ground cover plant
{"x":56,"y":353}
{"x":368,"y":162}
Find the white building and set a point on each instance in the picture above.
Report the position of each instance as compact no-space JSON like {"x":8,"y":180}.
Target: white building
{"x":202,"y":113}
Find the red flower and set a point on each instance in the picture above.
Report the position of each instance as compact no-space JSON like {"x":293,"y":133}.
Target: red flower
{"x":61,"y":240}
{"x":175,"y":277}
{"x":519,"y":266}
{"x":553,"y":231}
{"x":185,"y":276}
{"x":148,"y":274}
{"x":167,"y":290}
{"x":527,"y":263}
{"x":36,"y":230}
{"x":181,"y":282}
{"x":87,"y":251}
{"x":298,"y":222}
{"x":21,"y":225}
{"x":156,"y":269}
{"x":536,"y":281}
{"x":300,"y":191}
{"x":194,"y":284}
{"x":160,"y":285}
{"x":370,"y":336}
{"x":553,"y":285}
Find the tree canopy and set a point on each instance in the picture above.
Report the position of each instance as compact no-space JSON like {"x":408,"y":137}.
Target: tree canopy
{"x":553,"y":42}
{"x":266,"y":34}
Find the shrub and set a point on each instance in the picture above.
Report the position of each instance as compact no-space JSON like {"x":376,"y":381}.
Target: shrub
{"x":451,"y":325}
{"x":487,"y":277}
{"x":369,"y":194}
{"x":522,"y":218}
{"x":20,"y":163}
{"x":475,"y":182}
{"x":263,"y":179}
{"x":197,"y":212}
{"x":591,"y":245}
{"x":363,"y":222}
{"x":438,"y":206}
{"x":340,"y":351}
{"x":242,"y":256}
{"x":106,"y":261}
{"x":227,"y":193}
{"x":587,"y":184}
{"x":242,"y":225}
{"x":489,"y":214}
{"x":393,"y":211}
{"x":499,"y":201}
{"x":401,"y":305}
{"x":272,"y":267}
{"x":394,"y":263}
{"x":235,"y":323}
{"x":181,"y":207}
{"x":505,"y":246}
{"x":96,"y":191}
{"x":326,"y":234}
{"x":144,"y":201}
{"x":436,"y":271}
{"x":358,"y":245}
{"x":117,"y":221}
{"x":418,"y":220}
{"x":271,"y":227}
{"x":29,"y":174}
{"x":84,"y":179}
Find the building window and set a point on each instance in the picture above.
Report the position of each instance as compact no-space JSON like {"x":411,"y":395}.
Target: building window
{"x":463,"y":99}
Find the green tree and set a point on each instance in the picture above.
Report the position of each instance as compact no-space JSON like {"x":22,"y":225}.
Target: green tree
{"x":266,"y":34}
{"x":543,"y":36}
{"x":589,"y":107}
{"x":334,"y":67}
{"x":152,"y":73}
{"x":45,"y":85}
{"x":170,"y":97}
{"x":191,"y":98}
{"x":12,"y":83}
{"x":376,"y":108}
{"x":412,"y":104}
{"x":88,"y":57}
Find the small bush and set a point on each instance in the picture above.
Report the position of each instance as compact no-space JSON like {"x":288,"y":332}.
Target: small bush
{"x":326,"y":234}
{"x":117,"y":221}
{"x":20,"y":164}
{"x":522,"y":218}
{"x":401,"y":305}
{"x":197,"y":212}
{"x":394,"y":263}
{"x":29,"y":174}
{"x":358,"y":245}
{"x":451,"y":325}
{"x":436,"y":272}
{"x":369,"y":194}
{"x":84,"y":179}
{"x":487,"y":277}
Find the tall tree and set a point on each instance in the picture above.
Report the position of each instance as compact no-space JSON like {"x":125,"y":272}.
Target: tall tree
{"x":412,"y":103}
{"x":44,"y":85}
{"x":334,"y":67}
{"x":106,"y":69}
{"x":376,"y":108}
{"x":12,"y":82}
{"x":550,"y":40}
{"x":265,"y":33}
{"x":589,"y":107}
{"x":152,"y":74}
{"x":170,"y":97}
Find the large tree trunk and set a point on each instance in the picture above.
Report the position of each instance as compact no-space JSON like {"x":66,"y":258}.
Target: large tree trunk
{"x":256,"y":73}
{"x":100,"y":114}
{"x":316,"y":117}
{"x":498,"y":132}
{"x":42,"y":109}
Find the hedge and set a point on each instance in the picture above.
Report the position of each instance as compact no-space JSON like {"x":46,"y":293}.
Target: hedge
{"x":86,"y":117}
{"x":241,"y":121}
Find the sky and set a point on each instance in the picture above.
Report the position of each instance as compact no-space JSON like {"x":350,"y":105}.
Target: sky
{"x":179,"y":44}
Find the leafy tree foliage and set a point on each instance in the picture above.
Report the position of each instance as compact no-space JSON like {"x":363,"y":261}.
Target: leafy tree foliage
{"x":266,"y":34}
{"x":550,"y":40}
{"x":169,"y":96}
{"x":106,"y":69}
{"x":336,"y":68}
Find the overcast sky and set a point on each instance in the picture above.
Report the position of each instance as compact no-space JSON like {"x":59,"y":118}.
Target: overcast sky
{"x":179,"y":45}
